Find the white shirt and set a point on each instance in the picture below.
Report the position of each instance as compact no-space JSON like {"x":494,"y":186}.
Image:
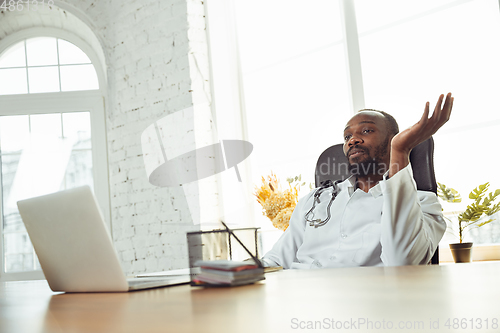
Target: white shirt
{"x":393,"y":224}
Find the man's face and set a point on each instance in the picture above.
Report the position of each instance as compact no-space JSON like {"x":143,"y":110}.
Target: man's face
{"x":367,"y":144}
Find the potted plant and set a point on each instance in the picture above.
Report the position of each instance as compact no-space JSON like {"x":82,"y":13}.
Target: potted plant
{"x":471,"y":217}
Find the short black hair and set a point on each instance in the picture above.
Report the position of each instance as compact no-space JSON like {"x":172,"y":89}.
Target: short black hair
{"x":392,"y":124}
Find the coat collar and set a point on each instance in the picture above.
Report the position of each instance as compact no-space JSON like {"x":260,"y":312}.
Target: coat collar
{"x":349,"y":185}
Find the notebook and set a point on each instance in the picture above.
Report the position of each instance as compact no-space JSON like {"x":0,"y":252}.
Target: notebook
{"x":74,"y":246}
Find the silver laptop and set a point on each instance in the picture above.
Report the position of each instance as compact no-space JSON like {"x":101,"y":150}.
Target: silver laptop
{"x":75,"y":248}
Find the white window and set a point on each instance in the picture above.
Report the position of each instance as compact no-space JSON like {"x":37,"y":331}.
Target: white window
{"x":51,"y":136}
{"x":45,"y":64}
{"x":300,"y":66}
{"x":432,"y":47}
{"x":289,"y":88}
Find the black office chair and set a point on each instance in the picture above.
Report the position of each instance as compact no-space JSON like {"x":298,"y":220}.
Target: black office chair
{"x":332,"y":164}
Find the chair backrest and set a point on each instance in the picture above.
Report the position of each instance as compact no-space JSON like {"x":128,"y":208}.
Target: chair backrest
{"x":333,"y":164}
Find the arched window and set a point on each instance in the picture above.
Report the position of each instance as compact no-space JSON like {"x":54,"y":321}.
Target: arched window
{"x":43,"y":65}
{"x":52,"y":134}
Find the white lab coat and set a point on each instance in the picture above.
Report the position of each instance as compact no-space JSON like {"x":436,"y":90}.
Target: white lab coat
{"x":393,"y":224}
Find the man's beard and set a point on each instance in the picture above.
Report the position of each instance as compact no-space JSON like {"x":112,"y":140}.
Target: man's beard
{"x":373,"y":166}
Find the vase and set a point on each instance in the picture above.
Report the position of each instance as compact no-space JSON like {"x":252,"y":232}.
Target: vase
{"x":462,"y":252}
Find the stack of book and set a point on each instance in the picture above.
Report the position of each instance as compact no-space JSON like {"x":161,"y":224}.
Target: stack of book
{"x":227,"y":273}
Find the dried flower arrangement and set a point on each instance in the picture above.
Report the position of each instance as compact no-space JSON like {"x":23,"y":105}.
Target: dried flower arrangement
{"x":278,"y":204}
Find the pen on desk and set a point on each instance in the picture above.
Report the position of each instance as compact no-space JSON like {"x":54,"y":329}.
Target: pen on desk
{"x":257,"y":261}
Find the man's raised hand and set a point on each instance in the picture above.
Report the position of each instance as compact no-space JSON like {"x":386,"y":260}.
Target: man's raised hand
{"x":404,"y":142}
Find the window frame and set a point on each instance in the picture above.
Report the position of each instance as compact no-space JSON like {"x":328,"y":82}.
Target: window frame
{"x":92,"y":101}
{"x":94,"y":57}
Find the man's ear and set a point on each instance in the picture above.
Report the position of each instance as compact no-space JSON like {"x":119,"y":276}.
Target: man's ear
{"x":391,"y":136}
{"x":389,"y":144}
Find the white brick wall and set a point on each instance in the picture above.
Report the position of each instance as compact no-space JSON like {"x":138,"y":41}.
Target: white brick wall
{"x":157,"y":64}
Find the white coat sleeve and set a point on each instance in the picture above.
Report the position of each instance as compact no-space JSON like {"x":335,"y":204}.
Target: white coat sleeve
{"x":284,"y":251}
{"x":412,"y":222}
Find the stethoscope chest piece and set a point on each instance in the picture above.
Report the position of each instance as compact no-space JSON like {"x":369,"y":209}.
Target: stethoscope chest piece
{"x":324,"y":185}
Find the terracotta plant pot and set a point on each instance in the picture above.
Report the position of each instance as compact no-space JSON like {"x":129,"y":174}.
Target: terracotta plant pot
{"x":462,"y":252}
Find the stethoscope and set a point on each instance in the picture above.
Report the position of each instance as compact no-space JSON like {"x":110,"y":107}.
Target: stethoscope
{"x":324,"y":185}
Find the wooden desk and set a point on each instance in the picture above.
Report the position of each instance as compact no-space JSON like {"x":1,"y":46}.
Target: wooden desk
{"x":411,"y":295}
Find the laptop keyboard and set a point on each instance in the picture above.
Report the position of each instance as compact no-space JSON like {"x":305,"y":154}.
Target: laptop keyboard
{"x":135,"y":282}
{"x":165,"y":280}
